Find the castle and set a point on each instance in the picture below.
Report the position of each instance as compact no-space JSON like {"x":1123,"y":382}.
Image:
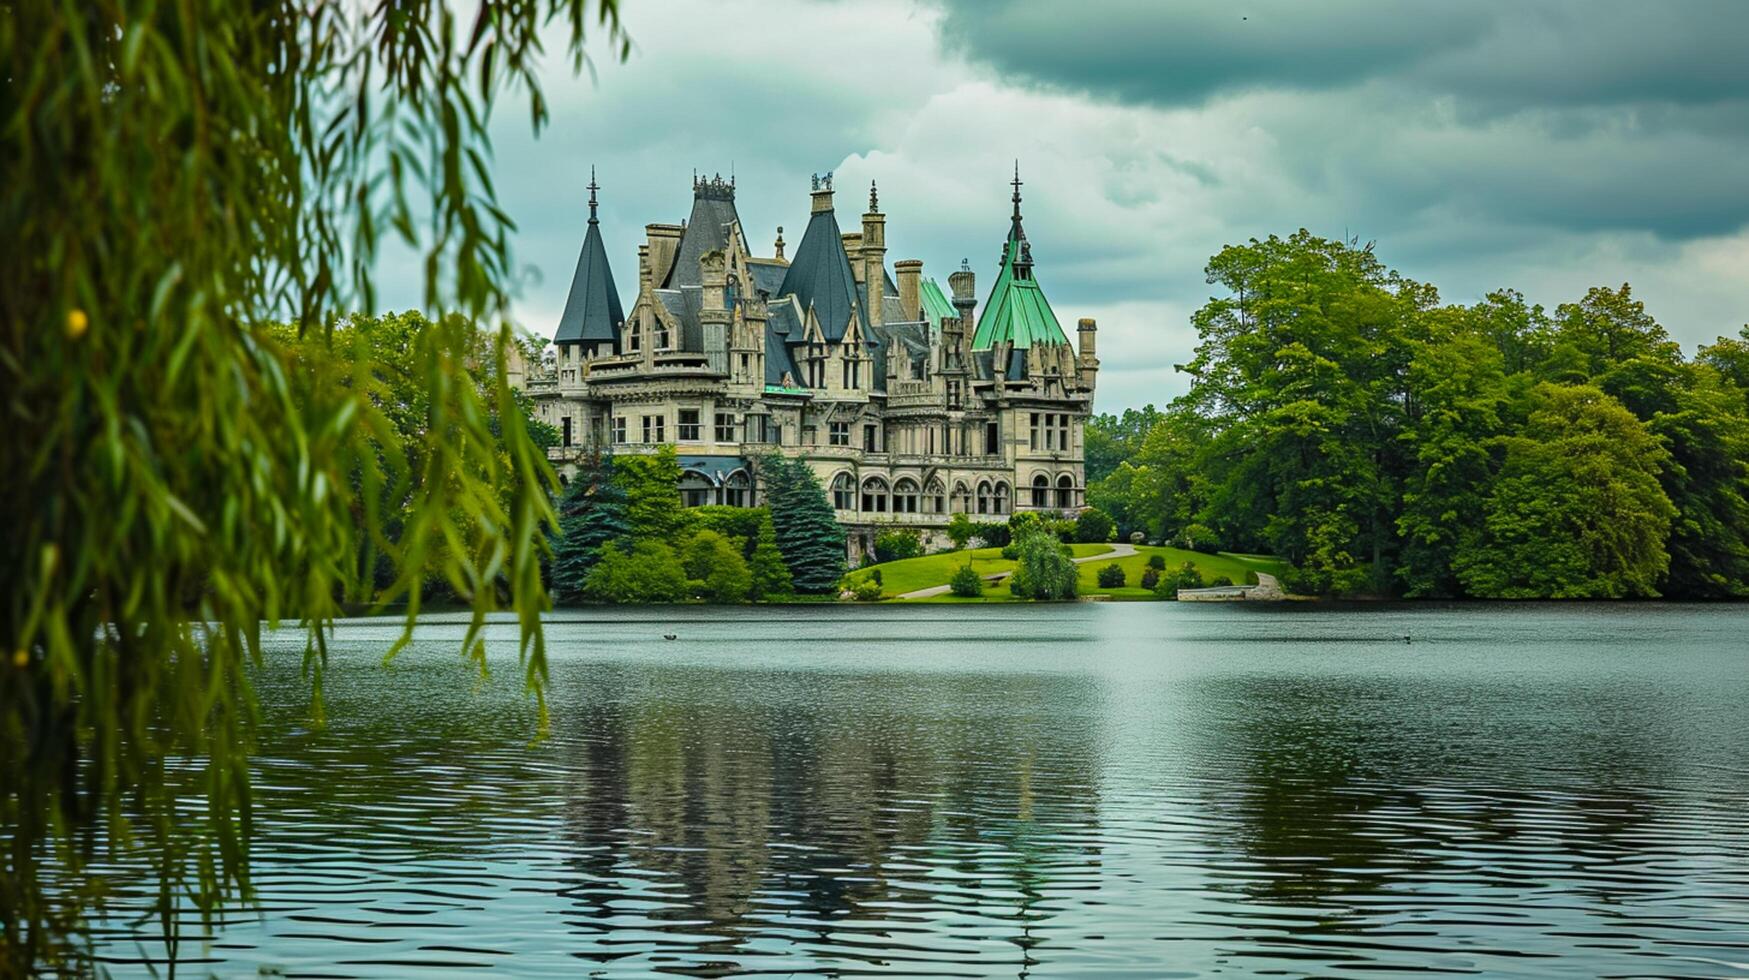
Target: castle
{"x":909,"y":403}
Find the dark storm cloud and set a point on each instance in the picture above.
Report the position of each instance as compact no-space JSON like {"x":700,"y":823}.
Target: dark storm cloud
{"x":1501,"y":52}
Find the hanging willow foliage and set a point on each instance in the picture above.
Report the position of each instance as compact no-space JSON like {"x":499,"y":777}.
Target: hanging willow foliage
{"x":174,"y":474}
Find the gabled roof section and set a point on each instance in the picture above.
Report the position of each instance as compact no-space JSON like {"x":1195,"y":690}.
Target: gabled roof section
{"x":713,"y":211}
{"x":592,"y":310}
{"x":1017,"y":310}
{"x":819,"y":276}
{"x":934,"y":302}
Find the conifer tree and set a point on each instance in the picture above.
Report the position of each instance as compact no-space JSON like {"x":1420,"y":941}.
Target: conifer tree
{"x":807,"y":533}
{"x":591,"y":516}
{"x":771,"y":577}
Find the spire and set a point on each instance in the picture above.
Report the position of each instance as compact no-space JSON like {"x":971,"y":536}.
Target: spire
{"x":593,"y":187}
{"x":1016,"y":195}
{"x":779,"y":243}
{"x":592,"y":308}
{"x":874,"y":201}
{"x":1017,"y":311}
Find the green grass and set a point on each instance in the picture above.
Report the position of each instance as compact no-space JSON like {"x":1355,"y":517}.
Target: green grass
{"x":912,"y":574}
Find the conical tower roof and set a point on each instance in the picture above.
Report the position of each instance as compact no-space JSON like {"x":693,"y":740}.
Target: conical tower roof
{"x":1017,"y":310}
{"x":592,"y":310}
{"x":820,"y":276}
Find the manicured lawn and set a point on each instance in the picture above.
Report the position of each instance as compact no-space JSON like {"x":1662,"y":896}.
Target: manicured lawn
{"x":912,"y":574}
{"x":1231,"y":565}
{"x":899,"y":577}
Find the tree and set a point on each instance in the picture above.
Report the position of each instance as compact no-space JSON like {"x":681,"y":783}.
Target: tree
{"x":714,"y":568}
{"x":1111,"y":576}
{"x":807,"y":532}
{"x":592,"y":515}
{"x":1706,"y":477}
{"x":651,"y":483}
{"x":176,"y":177}
{"x":770,"y":576}
{"x":1110,"y":439}
{"x":961,"y":530}
{"x":966,"y":582}
{"x":1577,"y":510}
{"x":1609,"y":327}
{"x":641,"y":573}
{"x":1041,"y":569}
{"x":897,"y":544}
{"x":1094,"y":526}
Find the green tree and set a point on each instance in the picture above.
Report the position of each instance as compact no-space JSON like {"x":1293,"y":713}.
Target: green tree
{"x":966,"y":582}
{"x":961,"y":530}
{"x":592,"y":515}
{"x":807,"y":531}
{"x":715,"y":569}
{"x":770,"y":576}
{"x":897,"y":544}
{"x":651,"y":483}
{"x":1577,"y":510}
{"x":637,"y":573}
{"x":1729,"y":357}
{"x":1094,"y":526}
{"x":1041,"y":569}
{"x":1609,"y":327}
{"x":1110,"y":439}
{"x":1706,"y":431}
{"x":176,"y":177}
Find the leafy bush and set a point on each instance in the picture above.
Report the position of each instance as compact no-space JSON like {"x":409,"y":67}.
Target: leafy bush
{"x":1111,"y":576}
{"x":732,"y":522}
{"x":896,"y":544}
{"x":1094,"y":526}
{"x":1157,"y":562}
{"x":875,"y":577}
{"x":1150,"y":578}
{"x":715,"y":570}
{"x":1186,"y":576}
{"x":1065,"y":529}
{"x":1023,"y":523}
{"x":1011,"y":552}
{"x":867,"y":590}
{"x":1043,"y":572}
{"x":1220,"y":580}
{"x":994,"y":534}
{"x":1196,"y":537}
{"x":647,"y":572}
{"x":967,"y":583}
{"x":961,"y":530}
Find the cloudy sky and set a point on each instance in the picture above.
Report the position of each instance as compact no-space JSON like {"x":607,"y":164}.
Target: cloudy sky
{"x":1547,"y":146}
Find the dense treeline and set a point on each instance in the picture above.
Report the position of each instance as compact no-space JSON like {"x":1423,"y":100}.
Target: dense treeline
{"x":624,"y":536}
{"x":1341,"y":416}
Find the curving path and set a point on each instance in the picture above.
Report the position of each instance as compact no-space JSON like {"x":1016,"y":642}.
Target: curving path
{"x":1117,"y":551}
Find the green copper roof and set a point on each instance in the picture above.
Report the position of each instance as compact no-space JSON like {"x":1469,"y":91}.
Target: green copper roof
{"x":934,"y":302}
{"x":1017,"y":309}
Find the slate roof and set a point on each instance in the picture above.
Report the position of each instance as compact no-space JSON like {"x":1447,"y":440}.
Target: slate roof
{"x":684,"y":303}
{"x":713,"y":210}
{"x":819,"y":276}
{"x":767,"y":276}
{"x":592,"y":310}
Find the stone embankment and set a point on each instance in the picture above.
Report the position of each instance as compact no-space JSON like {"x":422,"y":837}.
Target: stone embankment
{"x":1267,"y":589}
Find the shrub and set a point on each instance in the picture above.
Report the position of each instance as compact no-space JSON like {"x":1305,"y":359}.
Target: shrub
{"x":1065,"y":529}
{"x":1150,"y":578}
{"x":1111,"y":576}
{"x":898,"y":544}
{"x":1220,"y":580}
{"x":1185,"y":577}
{"x":1043,"y":572}
{"x":867,"y":590}
{"x":1189,"y":576}
{"x":732,"y":522}
{"x":961,"y":530}
{"x":1196,"y":537}
{"x":1157,"y":562}
{"x":1023,"y":523}
{"x":715,"y":570}
{"x":994,"y":534}
{"x":875,"y":577}
{"x":1011,"y":552}
{"x":647,"y":572}
{"x":967,"y":583}
{"x":1094,"y":526}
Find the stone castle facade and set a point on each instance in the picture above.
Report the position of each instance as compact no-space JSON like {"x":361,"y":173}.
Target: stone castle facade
{"x":909,"y":402}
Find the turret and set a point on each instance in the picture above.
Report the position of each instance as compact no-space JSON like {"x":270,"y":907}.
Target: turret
{"x":874,"y":255}
{"x":822,"y":194}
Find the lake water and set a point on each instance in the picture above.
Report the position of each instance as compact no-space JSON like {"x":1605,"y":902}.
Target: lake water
{"x":1127,"y":790}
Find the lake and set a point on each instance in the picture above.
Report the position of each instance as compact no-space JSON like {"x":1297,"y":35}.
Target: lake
{"x":1124,"y":790}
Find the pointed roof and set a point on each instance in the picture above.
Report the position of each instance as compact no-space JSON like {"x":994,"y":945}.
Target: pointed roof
{"x":713,"y":211}
{"x":1017,"y":310}
{"x":592,"y":310}
{"x":935,"y":304}
{"x":819,"y":276}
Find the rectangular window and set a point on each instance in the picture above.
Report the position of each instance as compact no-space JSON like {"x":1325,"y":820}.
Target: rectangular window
{"x":868,"y":438}
{"x":1032,"y":434}
{"x":839,"y":433}
{"x":567,"y":429}
{"x":953,"y":394}
{"x":992,"y":439}
{"x":726,"y":428}
{"x":619,"y":430}
{"x":655,"y":429}
{"x":756,"y":428}
{"x":689,"y":425}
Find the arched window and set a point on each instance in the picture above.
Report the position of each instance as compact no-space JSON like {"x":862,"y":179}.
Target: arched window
{"x":738,"y":490}
{"x":874,"y":495}
{"x":962,"y":498}
{"x":1001,"y":497}
{"x":935,"y":497}
{"x":905,"y":496}
{"x":696,"y":489}
{"x":984,"y":497}
{"x":1065,"y":491}
{"x":843,"y":492}
{"x":1041,"y":491}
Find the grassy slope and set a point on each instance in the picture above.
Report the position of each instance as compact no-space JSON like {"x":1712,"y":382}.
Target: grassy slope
{"x":899,"y":577}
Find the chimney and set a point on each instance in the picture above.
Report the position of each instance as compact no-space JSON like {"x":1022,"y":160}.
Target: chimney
{"x":664,"y":245}
{"x":853,"y":251}
{"x":822,"y":194}
{"x":910,"y":275}
{"x":644,"y":284}
{"x":874,"y":255}
{"x":1088,"y":334}
{"x":964,"y":286}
